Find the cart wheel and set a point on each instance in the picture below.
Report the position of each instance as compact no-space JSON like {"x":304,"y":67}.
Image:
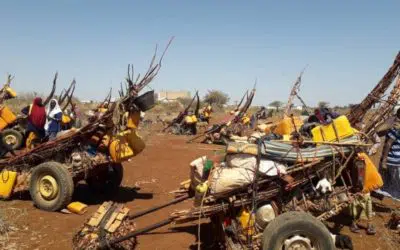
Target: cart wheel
{"x":12,"y":138}
{"x":297,"y":230}
{"x":176,"y":129}
{"x":51,"y":186}
{"x":107,"y":180}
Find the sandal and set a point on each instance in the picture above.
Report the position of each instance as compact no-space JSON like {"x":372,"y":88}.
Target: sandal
{"x":371,"y":230}
{"x":354,"y":228}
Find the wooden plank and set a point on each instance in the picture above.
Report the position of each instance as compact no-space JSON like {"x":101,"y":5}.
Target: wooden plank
{"x":112,"y":217}
{"x":123,"y":213}
{"x":114,"y":226}
{"x":118,"y":220}
{"x":99,"y":215}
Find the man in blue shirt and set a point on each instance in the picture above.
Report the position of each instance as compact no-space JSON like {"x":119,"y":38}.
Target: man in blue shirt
{"x":390,"y":162}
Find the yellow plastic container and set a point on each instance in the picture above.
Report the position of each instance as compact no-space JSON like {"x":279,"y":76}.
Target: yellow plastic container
{"x":190,"y":119}
{"x":245,"y":120}
{"x":28,"y":143}
{"x":127,"y":145}
{"x":135,"y":141}
{"x":247,"y":221}
{"x":120,"y":150}
{"x":327,"y":133}
{"x":133,"y":119}
{"x":102,"y":110}
{"x":7,"y":181}
{"x":77,"y":207}
{"x":11,"y":92}
{"x":201,"y":189}
{"x":65,"y":119}
{"x":3,"y":124}
{"x":7,"y":115}
{"x":285,"y":126}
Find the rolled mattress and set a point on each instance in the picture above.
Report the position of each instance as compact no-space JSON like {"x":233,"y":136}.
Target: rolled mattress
{"x":284,"y":152}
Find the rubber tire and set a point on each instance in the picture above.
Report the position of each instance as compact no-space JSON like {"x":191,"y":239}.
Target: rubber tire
{"x":289,"y":223}
{"x":18,"y":136}
{"x":176,"y":129}
{"x":106,"y":183}
{"x":65,"y":184}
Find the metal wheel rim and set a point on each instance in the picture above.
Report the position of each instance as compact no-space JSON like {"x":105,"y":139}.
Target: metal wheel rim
{"x":48,"y":187}
{"x":298,"y":242}
{"x":10,"y":139}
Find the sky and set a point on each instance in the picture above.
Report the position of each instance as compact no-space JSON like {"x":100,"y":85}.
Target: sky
{"x":224,"y":45}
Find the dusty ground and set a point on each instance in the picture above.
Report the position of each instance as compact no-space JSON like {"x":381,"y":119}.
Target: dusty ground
{"x":157,"y":171}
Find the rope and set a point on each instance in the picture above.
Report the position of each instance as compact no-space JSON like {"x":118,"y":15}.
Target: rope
{"x":201,"y":210}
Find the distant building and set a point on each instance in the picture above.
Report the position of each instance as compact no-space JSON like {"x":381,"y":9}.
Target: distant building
{"x":299,"y":108}
{"x":87,"y":101}
{"x":171,"y":96}
{"x":269,"y":107}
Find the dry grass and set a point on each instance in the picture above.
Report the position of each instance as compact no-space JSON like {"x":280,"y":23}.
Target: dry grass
{"x":390,"y":239}
{"x":9,"y":219}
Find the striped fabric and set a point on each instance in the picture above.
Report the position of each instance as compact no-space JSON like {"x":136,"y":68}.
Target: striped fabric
{"x":283,"y":152}
{"x":393,"y":158}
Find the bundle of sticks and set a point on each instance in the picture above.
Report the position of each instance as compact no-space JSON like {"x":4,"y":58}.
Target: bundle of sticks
{"x":76,"y":139}
{"x":358,"y":112}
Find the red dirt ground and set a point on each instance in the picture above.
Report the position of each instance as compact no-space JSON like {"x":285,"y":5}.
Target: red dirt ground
{"x":156,"y":172}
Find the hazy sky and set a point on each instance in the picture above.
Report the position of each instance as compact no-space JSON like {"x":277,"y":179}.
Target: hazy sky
{"x":224,"y":45}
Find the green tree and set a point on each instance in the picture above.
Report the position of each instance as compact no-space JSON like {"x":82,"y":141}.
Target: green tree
{"x":216,"y":97}
{"x":323,"y":104}
{"x":276,"y":104}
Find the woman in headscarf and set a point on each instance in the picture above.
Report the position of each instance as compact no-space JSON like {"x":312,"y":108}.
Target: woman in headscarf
{"x":36,"y":113}
{"x":54,"y":116}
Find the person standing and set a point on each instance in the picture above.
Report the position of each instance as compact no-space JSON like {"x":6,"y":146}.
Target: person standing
{"x":36,"y":113}
{"x":54,"y":116}
{"x":390,"y":161}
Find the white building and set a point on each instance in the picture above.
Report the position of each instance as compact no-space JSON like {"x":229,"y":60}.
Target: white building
{"x":171,"y":96}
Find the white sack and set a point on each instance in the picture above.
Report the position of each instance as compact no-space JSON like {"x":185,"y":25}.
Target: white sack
{"x":196,"y":171}
{"x":271,"y":168}
{"x":241,"y":161}
{"x":239,"y":172}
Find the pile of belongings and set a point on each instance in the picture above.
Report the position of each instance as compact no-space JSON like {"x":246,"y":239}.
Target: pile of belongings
{"x":236,"y":171}
{"x":240,"y":164}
